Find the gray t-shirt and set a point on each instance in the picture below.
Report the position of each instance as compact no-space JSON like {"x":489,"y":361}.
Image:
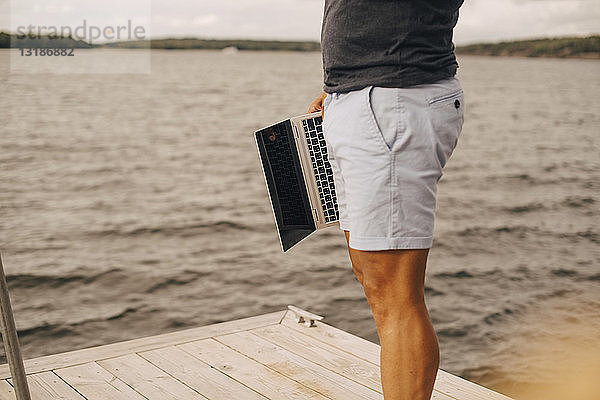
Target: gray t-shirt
{"x":391,"y":43}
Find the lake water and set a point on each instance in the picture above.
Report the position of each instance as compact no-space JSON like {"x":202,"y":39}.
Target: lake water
{"x":133,"y":205}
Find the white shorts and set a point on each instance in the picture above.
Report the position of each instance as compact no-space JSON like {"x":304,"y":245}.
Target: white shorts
{"x":387,"y":148}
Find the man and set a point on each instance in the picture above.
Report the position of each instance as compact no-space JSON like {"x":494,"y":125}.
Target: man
{"x":393,"y":111}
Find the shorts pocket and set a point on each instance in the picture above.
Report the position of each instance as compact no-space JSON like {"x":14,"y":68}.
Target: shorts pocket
{"x":446,"y":98}
{"x":381,"y":114}
{"x":447,"y":117}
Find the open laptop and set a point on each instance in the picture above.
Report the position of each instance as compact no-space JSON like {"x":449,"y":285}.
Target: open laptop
{"x":299,"y":178}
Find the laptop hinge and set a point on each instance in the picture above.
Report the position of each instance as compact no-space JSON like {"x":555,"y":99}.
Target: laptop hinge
{"x":296,"y":131}
{"x":316,"y":213}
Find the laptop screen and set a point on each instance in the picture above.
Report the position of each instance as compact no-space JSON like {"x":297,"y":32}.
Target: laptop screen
{"x":285,"y":182}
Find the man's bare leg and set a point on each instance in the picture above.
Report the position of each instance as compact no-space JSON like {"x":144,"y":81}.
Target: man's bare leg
{"x":394,"y":286}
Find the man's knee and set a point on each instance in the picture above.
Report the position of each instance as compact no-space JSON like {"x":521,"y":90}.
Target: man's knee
{"x":394,"y":280}
{"x":391,"y":295}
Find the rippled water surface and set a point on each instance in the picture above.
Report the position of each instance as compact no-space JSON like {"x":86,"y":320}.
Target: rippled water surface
{"x":133,"y":205}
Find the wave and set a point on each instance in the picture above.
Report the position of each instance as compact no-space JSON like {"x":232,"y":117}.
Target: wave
{"x":60,"y":330}
{"x":499,"y":316}
{"x":129,"y":310}
{"x":524,"y":208}
{"x":586,"y":204}
{"x":457,"y":275}
{"x":591,"y":236}
{"x":595,"y":277}
{"x":578,"y":202}
{"x":28,"y":250}
{"x":523,"y":230}
{"x":26,"y":281}
{"x":585,"y":177}
{"x":186,"y":277}
{"x":480,"y":231}
{"x":182,"y":230}
{"x":561,"y":272}
{"x":48,"y":330}
{"x":429,"y":291}
{"x":553,"y":294}
{"x":452,"y":332}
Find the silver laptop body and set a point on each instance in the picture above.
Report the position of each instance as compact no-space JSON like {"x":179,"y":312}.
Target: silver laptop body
{"x":299,"y":177}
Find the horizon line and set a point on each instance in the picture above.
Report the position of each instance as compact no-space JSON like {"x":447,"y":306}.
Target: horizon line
{"x":182,"y":37}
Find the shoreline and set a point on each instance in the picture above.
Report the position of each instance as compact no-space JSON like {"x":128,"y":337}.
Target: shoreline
{"x":564,"y":47}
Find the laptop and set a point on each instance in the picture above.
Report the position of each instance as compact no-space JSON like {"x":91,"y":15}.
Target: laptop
{"x":299,"y":178}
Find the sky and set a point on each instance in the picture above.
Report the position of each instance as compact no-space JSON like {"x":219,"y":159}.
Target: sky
{"x":480,"y":20}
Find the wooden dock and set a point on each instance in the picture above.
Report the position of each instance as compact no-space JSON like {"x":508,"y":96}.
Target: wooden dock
{"x":269,"y":356}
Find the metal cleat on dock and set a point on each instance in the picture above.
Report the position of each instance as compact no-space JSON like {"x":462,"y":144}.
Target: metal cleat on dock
{"x":303,"y":316}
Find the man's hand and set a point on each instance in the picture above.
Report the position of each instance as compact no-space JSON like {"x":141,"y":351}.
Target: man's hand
{"x":317,"y":104}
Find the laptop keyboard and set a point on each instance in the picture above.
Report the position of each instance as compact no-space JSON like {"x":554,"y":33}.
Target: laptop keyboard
{"x":322,"y":168}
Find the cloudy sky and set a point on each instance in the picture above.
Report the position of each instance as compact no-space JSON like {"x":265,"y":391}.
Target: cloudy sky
{"x":481,"y":20}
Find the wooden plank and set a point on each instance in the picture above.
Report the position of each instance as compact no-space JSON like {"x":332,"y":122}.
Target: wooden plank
{"x":6,"y":391}
{"x":297,"y":368}
{"x":49,"y":386}
{"x":440,"y":396}
{"x":48,"y":363}
{"x":249,"y":372}
{"x":335,"y":337}
{"x":148,"y":380}
{"x":369,"y":351}
{"x":198,"y":375}
{"x":96,"y":383}
{"x":334,"y":359}
{"x":463,"y":389}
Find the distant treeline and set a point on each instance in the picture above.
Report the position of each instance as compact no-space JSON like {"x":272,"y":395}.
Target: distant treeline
{"x":8,"y":41}
{"x":12,"y":40}
{"x":572,"y":47}
{"x":218,"y":44}
{"x":576,"y":47}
